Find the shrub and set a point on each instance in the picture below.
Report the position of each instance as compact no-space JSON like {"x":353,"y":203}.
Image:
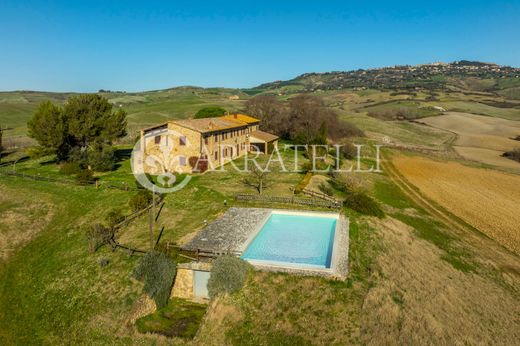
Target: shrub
{"x":210,"y":112}
{"x":363,"y":204}
{"x":338,"y":184}
{"x":98,"y":235}
{"x":114,"y":217}
{"x":513,"y":154}
{"x":303,"y":183}
{"x":141,"y":200}
{"x":85,"y":177}
{"x":157,"y":271}
{"x":102,"y":158}
{"x":346,"y":183}
{"x":70,"y":168}
{"x":228,"y":275}
{"x":348,"y":150}
{"x":326,"y":189}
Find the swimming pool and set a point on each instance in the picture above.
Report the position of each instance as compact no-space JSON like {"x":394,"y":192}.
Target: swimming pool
{"x":294,"y":240}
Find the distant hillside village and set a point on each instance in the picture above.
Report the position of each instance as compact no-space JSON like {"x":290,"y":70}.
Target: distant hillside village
{"x":430,"y":76}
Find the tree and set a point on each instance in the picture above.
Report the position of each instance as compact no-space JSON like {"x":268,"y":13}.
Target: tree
{"x":49,"y":127}
{"x":157,"y":271}
{"x":91,"y":119}
{"x":228,"y":275}
{"x":85,"y":122}
{"x":270,"y":111}
{"x":258,"y":178}
{"x":210,"y":112}
{"x":312,"y":122}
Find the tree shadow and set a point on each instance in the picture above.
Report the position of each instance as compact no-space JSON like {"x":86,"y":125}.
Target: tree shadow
{"x":123,"y":154}
{"x":49,"y":162}
{"x":10,"y":162}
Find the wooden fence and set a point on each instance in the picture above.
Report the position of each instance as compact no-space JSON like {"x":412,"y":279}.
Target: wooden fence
{"x":135,"y":215}
{"x":315,"y":202}
{"x":320,"y":195}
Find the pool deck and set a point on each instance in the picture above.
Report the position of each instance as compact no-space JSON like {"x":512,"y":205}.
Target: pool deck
{"x":233,"y":231}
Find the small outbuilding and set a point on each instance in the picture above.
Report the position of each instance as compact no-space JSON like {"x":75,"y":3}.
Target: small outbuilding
{"x":262,"y":141}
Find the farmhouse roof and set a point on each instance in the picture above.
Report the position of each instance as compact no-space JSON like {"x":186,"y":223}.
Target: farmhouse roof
{"x":242,"y":117}
{"x":210,"y":124}
{"x":263,"y":136}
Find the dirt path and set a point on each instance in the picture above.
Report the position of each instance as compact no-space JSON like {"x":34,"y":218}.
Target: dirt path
{"x":489,"y":248}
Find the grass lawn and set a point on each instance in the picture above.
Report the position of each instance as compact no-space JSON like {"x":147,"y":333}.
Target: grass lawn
{"x":180,"y":318}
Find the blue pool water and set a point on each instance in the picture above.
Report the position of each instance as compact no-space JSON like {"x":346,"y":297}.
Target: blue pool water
{"x":288,"y":239}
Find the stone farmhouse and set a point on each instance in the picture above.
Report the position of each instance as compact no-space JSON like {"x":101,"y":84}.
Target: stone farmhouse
{"x":195,"y":145}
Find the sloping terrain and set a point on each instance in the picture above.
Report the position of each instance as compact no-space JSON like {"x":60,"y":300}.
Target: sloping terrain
{"x":484,"y":198}
{"x":480,"y":138}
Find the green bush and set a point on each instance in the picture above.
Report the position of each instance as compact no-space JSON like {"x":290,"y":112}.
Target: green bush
{"x":85,"y":177}
{"x":157,"y":271}
{"x":210,"y":112}
{"x":102,"y":158}
{"x":337,"y":184}
{"x":141,"y":200}
{"x":326,"y":189}
{"x":363,"y":204}
{"x":348,"y":150}
{"x":228,"y":275}
{"x":70,"y":168}
{"x":98,"y":235}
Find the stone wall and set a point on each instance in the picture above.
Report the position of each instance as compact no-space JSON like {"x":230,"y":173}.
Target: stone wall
{"x":220,"y":147}
{"x":183,"y":287}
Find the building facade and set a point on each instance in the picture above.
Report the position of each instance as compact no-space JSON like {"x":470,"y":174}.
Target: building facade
{"x":196,"y":145}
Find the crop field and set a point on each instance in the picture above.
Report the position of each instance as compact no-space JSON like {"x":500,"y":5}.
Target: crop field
{"x":470,"y":106}
{"x":480,"y":138}
{"x":402,"y":132}
{"x":485,"y":199}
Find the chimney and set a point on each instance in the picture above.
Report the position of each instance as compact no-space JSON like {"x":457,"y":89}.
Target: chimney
{"x":235,"y":116}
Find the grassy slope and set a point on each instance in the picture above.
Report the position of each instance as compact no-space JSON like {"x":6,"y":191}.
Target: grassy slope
{"x":52,"y":288}
{"x":53,"y":291}
{"x":144,"y":109}
{"x":403,"y":269}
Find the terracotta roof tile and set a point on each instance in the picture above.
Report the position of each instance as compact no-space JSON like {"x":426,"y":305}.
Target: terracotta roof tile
{"x":242,"y":117}
{"x":210,"y":124}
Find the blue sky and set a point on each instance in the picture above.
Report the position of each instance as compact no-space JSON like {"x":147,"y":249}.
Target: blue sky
{"x":146,"y":45}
